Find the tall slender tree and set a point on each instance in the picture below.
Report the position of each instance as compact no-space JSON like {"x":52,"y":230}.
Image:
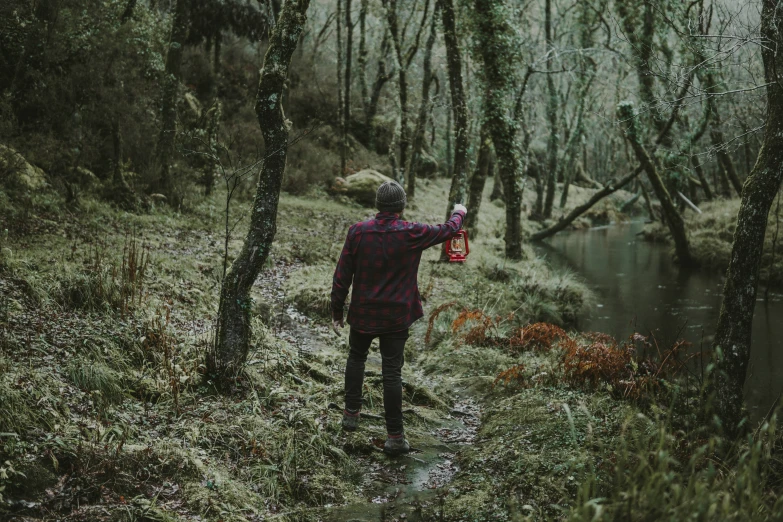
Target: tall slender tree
{"x":417,"y":147}
{"x":340,"y":100}
{"x":733,"y":333}
{"x":171,"y":80}
{"x":459,"y":105}
{"x":551,"y":115}
{"x":232,"y":338}
{"x":479,"y":179}
{"x":495,"y":41}
{"x":672,"y":217}
{"x":348,"y":63}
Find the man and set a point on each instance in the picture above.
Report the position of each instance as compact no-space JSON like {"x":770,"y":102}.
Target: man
{"x":381,"y":259}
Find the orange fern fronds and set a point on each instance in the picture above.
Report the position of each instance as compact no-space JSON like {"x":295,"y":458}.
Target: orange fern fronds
{"x":514,"y":375}
{"x":538,"y":336}
{"x":434,"y":315}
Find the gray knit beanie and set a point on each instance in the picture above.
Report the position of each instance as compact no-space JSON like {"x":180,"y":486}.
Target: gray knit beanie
{"x":390,"y":197}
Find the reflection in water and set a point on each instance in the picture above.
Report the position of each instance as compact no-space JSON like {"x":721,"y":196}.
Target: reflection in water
{"x":640,"y":289}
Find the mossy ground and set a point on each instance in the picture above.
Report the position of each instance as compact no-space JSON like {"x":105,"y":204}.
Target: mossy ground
{"x":105,"y":415}
{"x":104,"y":404}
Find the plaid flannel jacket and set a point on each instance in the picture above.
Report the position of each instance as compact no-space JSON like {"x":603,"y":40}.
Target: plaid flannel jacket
{"x":381,"y":259}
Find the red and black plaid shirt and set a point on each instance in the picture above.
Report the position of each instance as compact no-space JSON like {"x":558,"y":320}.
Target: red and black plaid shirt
{"x":381,"y":258}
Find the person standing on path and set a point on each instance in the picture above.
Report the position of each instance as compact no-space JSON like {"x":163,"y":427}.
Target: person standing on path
{"x":381,"y":259}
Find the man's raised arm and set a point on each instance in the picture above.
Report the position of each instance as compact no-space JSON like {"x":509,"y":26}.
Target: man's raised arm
{"x":425,"y":236}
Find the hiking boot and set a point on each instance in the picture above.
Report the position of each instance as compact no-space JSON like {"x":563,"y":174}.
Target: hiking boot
{"x":396,"y":445}
{"x":350,"y":420}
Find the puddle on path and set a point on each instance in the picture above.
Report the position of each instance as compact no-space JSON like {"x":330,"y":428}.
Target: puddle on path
{"x":398,"y":488}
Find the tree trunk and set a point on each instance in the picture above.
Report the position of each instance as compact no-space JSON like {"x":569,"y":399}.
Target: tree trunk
{"x":672,"y":216}
{"x":348,"y":60}
{"x":497,"y":183}
{"x":459,"y":105}
{"x":173,"y":74}
{"x":424,"y":109}
{"x":211,"y":163}
{"x":128,"y":12}
{"x":381,"y":78}
{"x":121,"y":192}
{"x":733,"y":334}
{"x":551,"y":114}
{"x":392,"y":19}
{"x":496,"y":40}
{"x":478,"y":180}
{"x":362,"y":61}
{"x":705,"y":186}
{"x":232,"y":338}
{"x":724,"y":157}
{"x":340,"y":99}
{"x":449,"y":144}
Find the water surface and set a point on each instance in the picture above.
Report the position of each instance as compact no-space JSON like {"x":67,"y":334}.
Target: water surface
{"x":640,"y":289}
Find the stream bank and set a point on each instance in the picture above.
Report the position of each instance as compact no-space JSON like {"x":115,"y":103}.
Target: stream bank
{"x":639,"y":288}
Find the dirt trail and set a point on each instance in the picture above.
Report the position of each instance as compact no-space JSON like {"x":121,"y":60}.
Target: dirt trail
{"x":391,"y":488}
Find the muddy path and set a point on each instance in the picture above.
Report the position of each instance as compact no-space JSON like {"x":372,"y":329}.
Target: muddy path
{"x":398,"y":488}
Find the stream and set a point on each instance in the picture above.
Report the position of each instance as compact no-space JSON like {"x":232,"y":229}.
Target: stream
{"x":639,"y":288}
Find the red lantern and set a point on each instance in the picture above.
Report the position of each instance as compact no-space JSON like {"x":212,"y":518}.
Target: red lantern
{"x":458,"y":248}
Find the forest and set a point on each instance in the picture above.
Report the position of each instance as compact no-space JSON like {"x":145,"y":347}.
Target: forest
{"x":180,"y":183}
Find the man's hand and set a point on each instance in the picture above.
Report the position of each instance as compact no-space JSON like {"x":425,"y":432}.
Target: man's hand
{"x":458,"y":207}
{"x":336,"y":325}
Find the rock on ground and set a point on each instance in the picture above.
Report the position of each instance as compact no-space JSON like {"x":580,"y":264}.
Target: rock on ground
{"x":361,"y":186}
{"x":16,"y":172}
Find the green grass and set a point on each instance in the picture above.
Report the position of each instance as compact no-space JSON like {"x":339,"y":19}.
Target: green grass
{"x":100,"y":398}
{"x":96,"y":378}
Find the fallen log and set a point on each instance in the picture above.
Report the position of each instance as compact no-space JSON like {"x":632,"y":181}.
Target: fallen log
{"x":609,"y":188}
{"x":689,"y":202}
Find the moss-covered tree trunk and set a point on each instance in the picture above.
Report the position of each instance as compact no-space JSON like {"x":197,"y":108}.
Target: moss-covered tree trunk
{"x":171,"y":79}
{"x":363,"y":53}
{"x":347,"y":79}
{"x":392,"y":19}
{"x":232,"y":339}
{"x":496,"y":43}
{"x":424,"y":109}
{"x":733,"y":334}
{"x":382,"y":76}
{"x":551,"y":116}
{"x":340,"y":100}
{"x":671,"y":215}
{"x":459,"y":105}
{"x":478,"y":180}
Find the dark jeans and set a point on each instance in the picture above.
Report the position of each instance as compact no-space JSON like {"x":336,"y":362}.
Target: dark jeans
{"x":392,"y":347}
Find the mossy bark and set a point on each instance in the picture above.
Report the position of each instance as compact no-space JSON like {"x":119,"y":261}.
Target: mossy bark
{"x":171,"y":79}
{"x":347,"y":79}
{"x":382,"y":76}
{"x":478,"y":180}
{"x":672,"y":216}
{"x":232,"y":339}
{"x":496,"y":42}
{"x":733,"y":333}
{"x":392,"y":20}
{"x":551,"y":116}
{"x":363,"y":53}
{"x":459,"y":106}
{"x":424,"y":111}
